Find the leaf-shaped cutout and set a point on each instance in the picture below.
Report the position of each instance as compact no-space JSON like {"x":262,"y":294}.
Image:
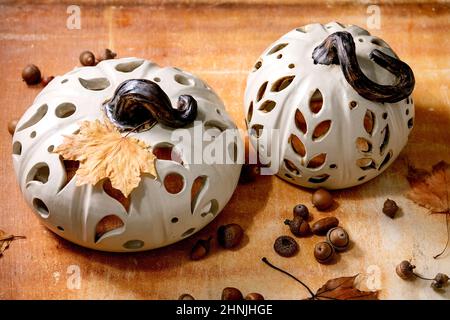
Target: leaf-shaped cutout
{"x":317,"y":161}
{"x":95,"y":84}
{"x":129,"y":66}
{"x":71,"y":167}
{"x":198,"y":186}
{"x":40,"y":173}
{"x":410,"y":123}
{"x":250,"y":112}
{"x":116,"y":194}
{"x":257,"y":130}
{"x":385,"y":160}
{"x":363,"y":145}
{"x":319,"y":179}
{"x":17,"y":148}
{"x":297,"y":145}
{"x":277,"y":48}
{"x":321,"y":129}
{"x":267,"y":106}
{"x":261,"y":91}
{"x":291,"y":166}
{"x":107,"y":224}
{"x":366,"y":163}
{"x":316,"y":101}
{"x":282,"y":83}
{"x":35,"y":118}
{"x":369,"y":121}
{"x":385,"y":133}
{"x":300,"y":121}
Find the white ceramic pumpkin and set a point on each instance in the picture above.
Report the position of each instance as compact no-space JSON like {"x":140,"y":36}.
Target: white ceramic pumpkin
{"x":342,"y":117}
{"x":153,"y":216}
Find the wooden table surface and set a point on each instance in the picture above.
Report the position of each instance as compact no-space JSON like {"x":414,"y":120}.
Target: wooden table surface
{"x":220,"y":43}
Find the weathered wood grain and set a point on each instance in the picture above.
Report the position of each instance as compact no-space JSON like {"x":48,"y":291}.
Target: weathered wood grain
{"x":220,"y":43}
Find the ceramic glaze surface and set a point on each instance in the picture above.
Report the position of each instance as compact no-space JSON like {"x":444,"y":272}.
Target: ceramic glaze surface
{"x":327,"y":135}
{"x":154,"y":217}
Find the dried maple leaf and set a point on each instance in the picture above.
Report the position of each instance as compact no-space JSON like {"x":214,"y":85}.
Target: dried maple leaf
{"x":6,"y":239}
{"x":432,"y":191}
{"x":104,"y":153}
{"x":343,"y":289}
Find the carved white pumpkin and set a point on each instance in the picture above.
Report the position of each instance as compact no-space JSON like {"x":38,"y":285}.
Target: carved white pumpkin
{"x":336,"y":128}
{"x":182,"y":199}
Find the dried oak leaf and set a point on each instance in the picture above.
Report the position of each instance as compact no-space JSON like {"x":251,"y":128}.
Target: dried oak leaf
{"x":343,"y":289}
{"x":6,"y":239}
{"x":104,"y":153}
{"x":431,"y":189}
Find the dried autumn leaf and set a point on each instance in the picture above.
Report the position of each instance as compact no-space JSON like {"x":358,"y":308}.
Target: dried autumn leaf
{"x":344,"y":289}
{"x":431,"y":189}
{"x":104,"y":153}
{"x":6,"y":239}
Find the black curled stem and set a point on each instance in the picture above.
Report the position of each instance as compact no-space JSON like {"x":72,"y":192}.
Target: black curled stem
{"x":339,"y":48}
{"x":137,"y":102}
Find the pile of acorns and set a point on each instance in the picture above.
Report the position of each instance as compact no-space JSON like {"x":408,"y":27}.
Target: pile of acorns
{"x":337,"y":238}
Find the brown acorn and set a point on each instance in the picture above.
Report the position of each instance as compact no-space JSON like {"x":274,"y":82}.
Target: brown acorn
{"x":298,"y":226}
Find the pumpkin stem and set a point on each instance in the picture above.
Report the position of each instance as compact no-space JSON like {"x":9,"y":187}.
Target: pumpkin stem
{"x":138,"y":102}
{"x":339,"y":48}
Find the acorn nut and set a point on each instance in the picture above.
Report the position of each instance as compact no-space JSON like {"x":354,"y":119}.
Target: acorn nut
{"x":286,"y":246}
{"x":254,"y":296}
{"x":302,"y":211}
{"x":321,"y":227}
{"x":322,"y":199}
{"x":405,"y":270}
{"x":298,"y":226}
{"x":338,"y":238}
{"x":323,"y":252}
{"x":230,"y":293}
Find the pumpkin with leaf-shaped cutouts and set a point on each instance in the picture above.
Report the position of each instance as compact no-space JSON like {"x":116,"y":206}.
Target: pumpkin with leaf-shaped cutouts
{"x":329,"y":106}
{"x":96,"y":156}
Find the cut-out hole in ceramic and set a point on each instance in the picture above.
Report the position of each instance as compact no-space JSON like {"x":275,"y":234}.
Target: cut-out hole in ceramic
{"x":385,"y":160}
{"x":129,"y":66}
{"x":40,"y":173}
{"x":250,"y":112}
{"x":319,"y":179}
{"x":183,"y":80}
{"x":257,"y":130}
{"x":316,"y":101}
{"x":297,"y":145}
{"x":321,"y":129}
{"x":35,"y":118}
{"x":363,"y":145}
{"x":167,"y":151}
{"x":261,"y":91}
{"x":385,"y":133}
{"x":188,"y":232}
{"x":281,"y":83}
{"x":17,"y":148}
{"x":267,"y":106}
{"x":41,"y":208}
{"x":95,"y":84}
{"x":197,"y":187}
{"x":65,"y":110}
{"x":369,"y":121}
{"x":174,"y":183}
{"x":70,"y":168}
{"x":277,"y":48}
{"x":291,"y":167}
{"x":366,"y":163}
{"x":300,"y":121}
{"x":106,"y":225}
{"x":317,"y":161}
{"x":133,"y":244}
{"x":212,"y":207}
